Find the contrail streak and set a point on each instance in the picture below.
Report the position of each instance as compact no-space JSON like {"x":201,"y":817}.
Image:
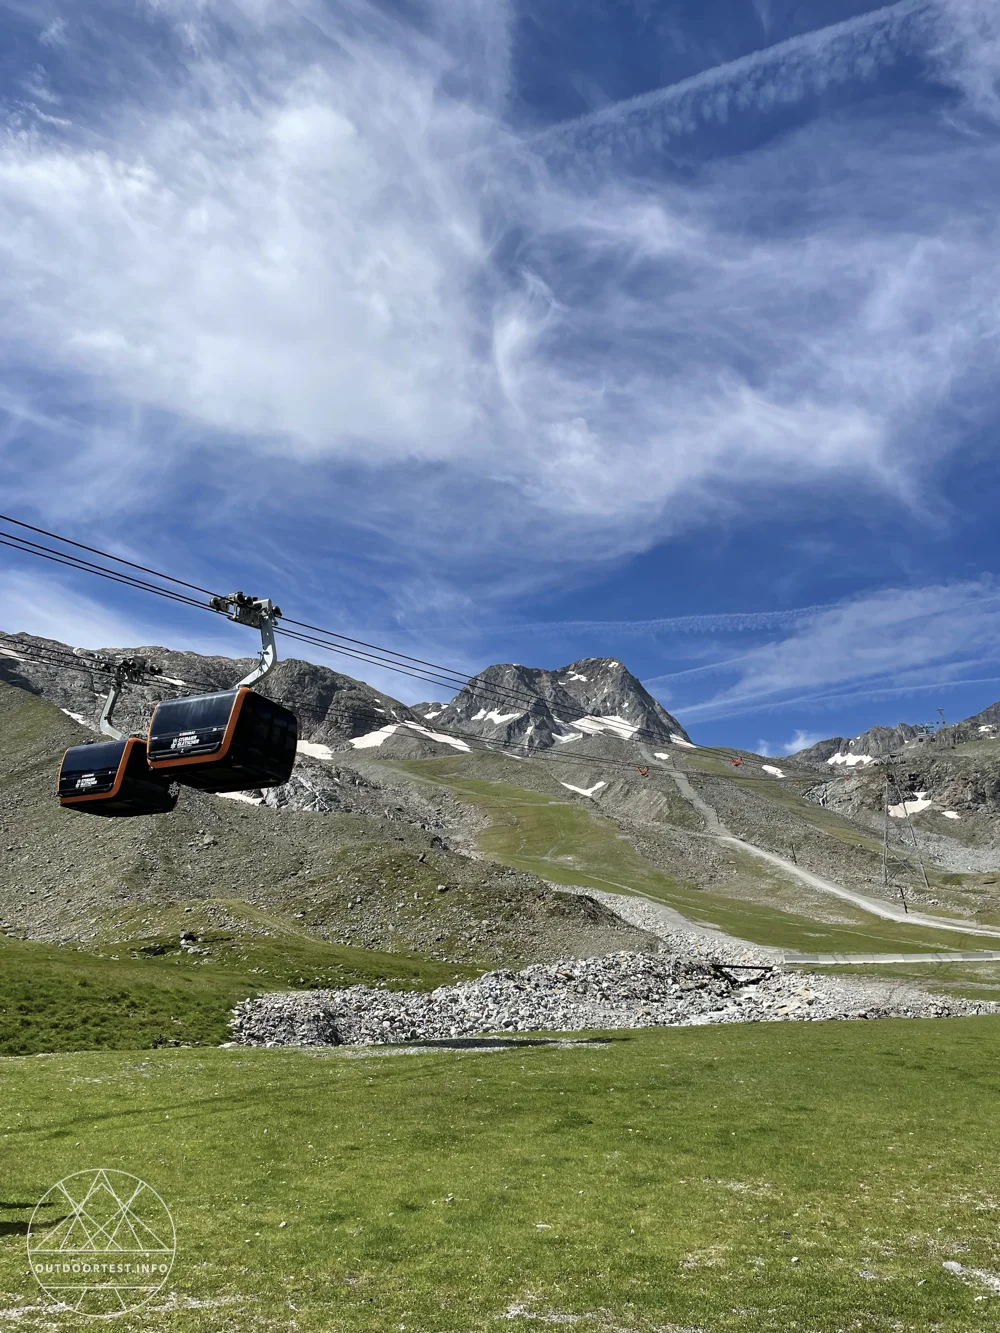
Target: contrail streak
{"x":723,"y":622}
{"x":850,"y":49}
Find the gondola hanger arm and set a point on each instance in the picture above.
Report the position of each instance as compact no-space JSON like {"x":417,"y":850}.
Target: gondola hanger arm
{"x":127,"y":670}
{"x":259,"y":613}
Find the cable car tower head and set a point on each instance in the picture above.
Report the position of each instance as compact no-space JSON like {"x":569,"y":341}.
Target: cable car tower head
{"x":258,"y":613}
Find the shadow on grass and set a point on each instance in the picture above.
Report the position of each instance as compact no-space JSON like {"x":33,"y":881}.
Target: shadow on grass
{"x":504,"y":1043}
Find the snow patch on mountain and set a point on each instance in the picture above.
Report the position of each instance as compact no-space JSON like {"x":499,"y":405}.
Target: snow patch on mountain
{"x":562,"y":737}
{"x":914,"y":807}
{"x":770,"y":768}
{"x":498,"y":719}
{"x":438,"y":736}
{"x":679,"y":740}
{"x":373,"y":739}
{"x":851,"y":759}
{"x":616,"y":725}
{"x":77,"y":717}
{"x":589,"y":791}
{"x":314,"y":750}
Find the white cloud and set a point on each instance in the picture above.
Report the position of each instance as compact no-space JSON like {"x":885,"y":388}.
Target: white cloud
{"x":37,"y":604}
{"x":722,"y":622}
{"x":311,"y":256}
{"x":881,"y":645}
{"x":801,"y":740}
{"x":966,"y":52}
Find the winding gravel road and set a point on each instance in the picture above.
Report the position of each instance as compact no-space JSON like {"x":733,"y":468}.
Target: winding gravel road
{"x":717,"y":829}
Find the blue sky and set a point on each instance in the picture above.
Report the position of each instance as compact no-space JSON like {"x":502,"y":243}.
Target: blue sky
{"x":500,"y":330}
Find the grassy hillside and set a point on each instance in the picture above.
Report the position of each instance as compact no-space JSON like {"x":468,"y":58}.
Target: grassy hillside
{"x":569,"y":843}
{"x":366,"y":880}
{"x":148,"y":991}
{"x":730,"y":1180}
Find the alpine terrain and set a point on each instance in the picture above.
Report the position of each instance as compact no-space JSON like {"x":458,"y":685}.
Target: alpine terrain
{"x":539,"y":815}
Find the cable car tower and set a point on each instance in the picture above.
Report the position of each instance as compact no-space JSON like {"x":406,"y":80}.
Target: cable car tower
{"x":892,"y":782}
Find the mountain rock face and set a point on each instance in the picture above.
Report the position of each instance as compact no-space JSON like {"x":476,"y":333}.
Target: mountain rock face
{"x":875,"y":743}
{"x":821,"y":752}
{"x":537,"y":709}
{"x":331,"y":708}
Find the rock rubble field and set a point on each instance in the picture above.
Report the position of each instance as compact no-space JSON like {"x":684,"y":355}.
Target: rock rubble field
{"x":621,"y":990}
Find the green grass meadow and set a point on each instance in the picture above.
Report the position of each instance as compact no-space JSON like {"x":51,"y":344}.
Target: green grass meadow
{"x":794,"y":1176}
{"x":145,"y":991}
{"x":752,"y":1178}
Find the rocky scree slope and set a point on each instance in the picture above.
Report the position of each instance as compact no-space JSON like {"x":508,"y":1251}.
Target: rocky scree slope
{"x":623,"y":990}
{"x":538,"y":709}
{"x":376,"y":870}
{"x":962,"y":784}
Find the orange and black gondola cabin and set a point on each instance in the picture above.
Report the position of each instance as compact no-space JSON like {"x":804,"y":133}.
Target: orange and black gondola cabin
{"x":112,"y":778}
{"x":223,"y":742}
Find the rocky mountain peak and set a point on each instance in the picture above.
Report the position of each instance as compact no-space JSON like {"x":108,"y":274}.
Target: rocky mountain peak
{"x":537,"y":708}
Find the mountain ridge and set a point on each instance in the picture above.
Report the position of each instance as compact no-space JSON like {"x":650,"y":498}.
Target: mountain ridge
{"x":530,"y":707}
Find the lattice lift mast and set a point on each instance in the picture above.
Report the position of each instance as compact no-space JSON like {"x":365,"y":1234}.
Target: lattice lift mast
{"x":891,"y":782}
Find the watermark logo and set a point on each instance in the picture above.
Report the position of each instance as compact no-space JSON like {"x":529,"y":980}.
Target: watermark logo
{"x":112,"y":1248}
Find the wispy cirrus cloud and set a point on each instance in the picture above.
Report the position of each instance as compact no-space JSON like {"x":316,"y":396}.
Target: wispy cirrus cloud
{"x":302,"y":255}
{"x":855,"y":48}
{"x":884,"y":645}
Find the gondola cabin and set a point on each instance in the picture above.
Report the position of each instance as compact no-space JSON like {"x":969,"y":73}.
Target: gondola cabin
{"x":112,"y":778}
{"x":223,"y":742}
